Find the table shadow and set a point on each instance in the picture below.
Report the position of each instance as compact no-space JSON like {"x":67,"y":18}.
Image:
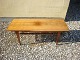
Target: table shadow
{"x":71,"y":36}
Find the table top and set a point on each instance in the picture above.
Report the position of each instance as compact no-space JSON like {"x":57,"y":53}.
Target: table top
{"x":38,"y":25}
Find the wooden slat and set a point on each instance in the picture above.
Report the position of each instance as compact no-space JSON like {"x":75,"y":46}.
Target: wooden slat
{"x":38,"y":25}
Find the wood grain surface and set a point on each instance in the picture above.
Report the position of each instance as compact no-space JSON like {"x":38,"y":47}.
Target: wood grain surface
{"x":38,"y":25}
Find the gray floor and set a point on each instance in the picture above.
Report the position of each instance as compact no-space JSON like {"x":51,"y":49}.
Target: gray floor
{"x":40,"y":47}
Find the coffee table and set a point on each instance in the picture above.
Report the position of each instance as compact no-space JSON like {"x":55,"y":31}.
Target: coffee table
{"x":38,"y":25}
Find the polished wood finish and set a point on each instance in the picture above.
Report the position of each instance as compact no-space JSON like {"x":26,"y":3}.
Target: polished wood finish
{"x":17,"y":34}
{"x":38,"y":25}
{"x":58,"y":36}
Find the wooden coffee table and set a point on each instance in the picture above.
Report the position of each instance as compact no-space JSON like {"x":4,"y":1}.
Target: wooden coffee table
{"x":38,"y":25}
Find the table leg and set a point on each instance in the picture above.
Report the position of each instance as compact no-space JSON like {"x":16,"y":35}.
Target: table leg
{"x":17,"y":34}
{"x":58,"y":36}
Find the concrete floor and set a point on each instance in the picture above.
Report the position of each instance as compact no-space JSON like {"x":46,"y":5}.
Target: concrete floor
{"x":40,"y":47}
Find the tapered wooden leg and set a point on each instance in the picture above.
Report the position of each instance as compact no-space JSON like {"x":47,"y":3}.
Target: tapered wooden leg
{"x":58,"y":36}
{"x":17,"y":34}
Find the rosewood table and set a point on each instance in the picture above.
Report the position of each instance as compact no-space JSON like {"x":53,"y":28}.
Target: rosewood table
{"x":38,"y":25}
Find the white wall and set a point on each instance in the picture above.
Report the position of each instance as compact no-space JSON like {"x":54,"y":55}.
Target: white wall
{"x":33,"y":8}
